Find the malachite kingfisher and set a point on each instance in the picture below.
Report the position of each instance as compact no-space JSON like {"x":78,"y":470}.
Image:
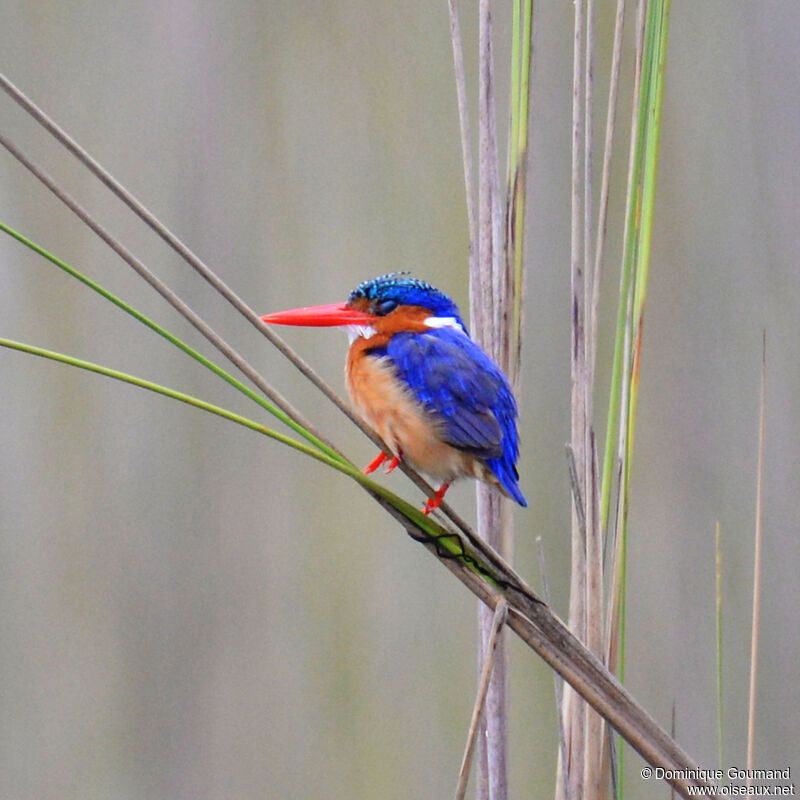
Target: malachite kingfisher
{"x":417,"y":378}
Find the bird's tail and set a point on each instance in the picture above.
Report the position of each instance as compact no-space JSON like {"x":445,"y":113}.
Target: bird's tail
{"x":508,"y":478}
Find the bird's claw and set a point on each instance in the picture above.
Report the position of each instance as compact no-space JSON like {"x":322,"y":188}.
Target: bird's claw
{"x":375,"y":463}
{"x":393,"y":463}
{"x":379,"y":459}
{"x":432,"y":503}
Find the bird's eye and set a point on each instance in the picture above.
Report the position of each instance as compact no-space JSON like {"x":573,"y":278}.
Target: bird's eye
{"x":384,"y":307}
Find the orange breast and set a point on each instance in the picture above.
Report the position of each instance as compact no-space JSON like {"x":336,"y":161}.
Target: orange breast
{"x":398,"y":418}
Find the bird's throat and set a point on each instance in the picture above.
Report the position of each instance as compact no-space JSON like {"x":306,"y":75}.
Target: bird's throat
{"x":359,"y":332}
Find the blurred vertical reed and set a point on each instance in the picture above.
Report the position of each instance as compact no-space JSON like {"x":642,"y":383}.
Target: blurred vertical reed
{"x":496,"y":289}
{"x":720,"y":660}
{"x":756,"y":624}
{"x":602,"y":628}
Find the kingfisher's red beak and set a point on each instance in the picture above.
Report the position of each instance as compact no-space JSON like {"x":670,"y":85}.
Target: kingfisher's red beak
{"x":320,"y":316}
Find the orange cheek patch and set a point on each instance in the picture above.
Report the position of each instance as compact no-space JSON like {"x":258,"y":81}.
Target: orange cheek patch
{"x":405,"y":318}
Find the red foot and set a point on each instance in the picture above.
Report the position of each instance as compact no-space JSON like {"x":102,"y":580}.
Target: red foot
{"x":434,"y":502}
{"x":394,"y":462}
{"x":375,"y":463}
{"x":379,"y":459}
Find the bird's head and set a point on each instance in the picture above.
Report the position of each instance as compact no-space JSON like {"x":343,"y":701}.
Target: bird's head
{"x":385,"y":305}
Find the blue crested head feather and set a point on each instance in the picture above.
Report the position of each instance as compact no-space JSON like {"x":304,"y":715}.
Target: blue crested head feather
{"x":399,"y":288}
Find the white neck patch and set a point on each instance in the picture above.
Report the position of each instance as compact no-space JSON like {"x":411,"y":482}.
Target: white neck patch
{"x":367,"y":331}
{"x":443,"y":322}
{"x":359,"y":332}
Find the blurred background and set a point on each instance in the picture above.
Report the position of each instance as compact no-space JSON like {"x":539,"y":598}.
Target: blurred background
{"x":188,"y":610}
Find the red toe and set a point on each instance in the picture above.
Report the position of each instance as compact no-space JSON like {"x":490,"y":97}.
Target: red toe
{"x":375,"y":463}
{"x":394,"y":462}
{"x":434,"y":502}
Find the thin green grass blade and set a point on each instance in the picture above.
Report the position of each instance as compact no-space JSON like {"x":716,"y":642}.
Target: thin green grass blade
{"x":516,"y":178}
{"x":635,"y":271}
{"x":515,"y":85}
{"x":128,"y":309}
{"x":171,"y":393}
{"x":623,"y":401}
{"x":615,"y":410}
{"x":654,"y":94}
{"x":444,"y":539}
{"x":616,"y":450}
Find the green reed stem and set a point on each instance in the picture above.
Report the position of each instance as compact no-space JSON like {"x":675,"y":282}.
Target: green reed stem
{"x":444,"y":538}
{"x":640,"y":201}
{"x":522,"y":24}
{"x":128,"y":309}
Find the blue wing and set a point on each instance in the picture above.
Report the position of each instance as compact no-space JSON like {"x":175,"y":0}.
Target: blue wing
{"x":459,"y":385}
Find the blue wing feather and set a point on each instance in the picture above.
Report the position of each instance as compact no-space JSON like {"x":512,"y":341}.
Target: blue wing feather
{"x":459,"y":385}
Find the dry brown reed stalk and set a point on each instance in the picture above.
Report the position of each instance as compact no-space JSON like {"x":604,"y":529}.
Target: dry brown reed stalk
{"x":212,"y":278}
{"x":574,"y":709}
{"x":605,"y":184}
{"x":541,"y":630}
{"x":599,"y":525}
{"x":488,"y":292}
{"x":170,"y":296}
{"x":613,"y":615}
{"x":463,"y":120}
{"x":498,"y":620}
{"x":558,"y":681}
{"x":588,"y":613}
